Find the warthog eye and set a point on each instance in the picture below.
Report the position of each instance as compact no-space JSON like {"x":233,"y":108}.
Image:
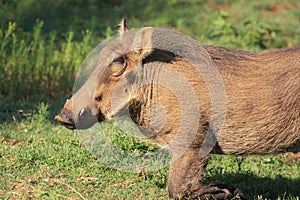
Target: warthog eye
{"x":118,"y":66}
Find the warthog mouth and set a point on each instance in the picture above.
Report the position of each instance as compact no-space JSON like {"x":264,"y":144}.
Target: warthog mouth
{"x":69,"y":124}
{"x":100,"y":117}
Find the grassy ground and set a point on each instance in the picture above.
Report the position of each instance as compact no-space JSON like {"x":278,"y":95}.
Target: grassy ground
{"x":41,"y":47}
{"x":41,"y":160}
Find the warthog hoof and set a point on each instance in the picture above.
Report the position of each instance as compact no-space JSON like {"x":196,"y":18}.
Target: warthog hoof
{"x":216,"y":191}
{"x":221,"y":191}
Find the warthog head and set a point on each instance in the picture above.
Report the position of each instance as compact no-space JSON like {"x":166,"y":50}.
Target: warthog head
{"x":114,"y":68}
{"x":149,"y":74}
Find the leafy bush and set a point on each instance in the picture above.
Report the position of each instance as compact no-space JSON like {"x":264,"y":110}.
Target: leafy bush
{"x":251,"y":33}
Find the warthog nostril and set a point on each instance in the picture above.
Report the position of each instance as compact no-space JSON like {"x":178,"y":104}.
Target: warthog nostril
{"x":67,"y":116}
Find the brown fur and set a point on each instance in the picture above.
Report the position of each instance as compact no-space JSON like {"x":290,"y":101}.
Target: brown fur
{"x":262,"y":109}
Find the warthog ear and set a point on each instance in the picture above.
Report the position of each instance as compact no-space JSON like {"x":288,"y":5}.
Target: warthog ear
{"x":143,"y":41}
{"x":123,"y":27}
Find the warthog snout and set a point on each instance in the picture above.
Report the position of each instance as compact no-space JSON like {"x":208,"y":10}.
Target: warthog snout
{"x":85,"y":119}
{"x":66,"y":119}
{"x":74,"y":116}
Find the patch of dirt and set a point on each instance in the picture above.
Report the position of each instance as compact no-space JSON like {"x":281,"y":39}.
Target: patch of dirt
{"x":277,"y":8}
{"x":292,"y":157}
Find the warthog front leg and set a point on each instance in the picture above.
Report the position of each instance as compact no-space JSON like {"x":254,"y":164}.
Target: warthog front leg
{"x":186,"y":174}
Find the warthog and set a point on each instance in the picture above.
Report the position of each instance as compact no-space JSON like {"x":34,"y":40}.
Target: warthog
{"x":259,"y":94}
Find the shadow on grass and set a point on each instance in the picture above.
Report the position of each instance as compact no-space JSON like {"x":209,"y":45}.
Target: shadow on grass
{"x":252,"y":186}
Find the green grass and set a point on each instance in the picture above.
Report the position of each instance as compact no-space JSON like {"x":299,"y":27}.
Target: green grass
{"x":41,"y":160}
{"x":42,"y":44}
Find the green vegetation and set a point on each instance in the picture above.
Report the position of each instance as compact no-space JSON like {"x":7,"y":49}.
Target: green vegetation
{"x":40,"y":160}
{"x":42,"y":44}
